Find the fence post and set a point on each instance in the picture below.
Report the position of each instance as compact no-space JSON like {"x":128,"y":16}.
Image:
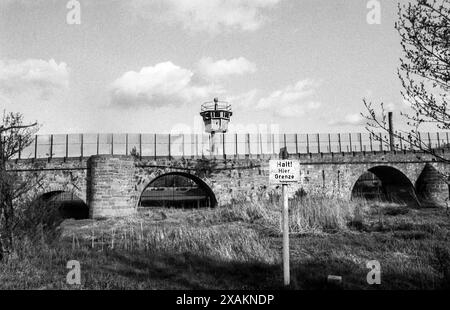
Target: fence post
{"x":307,"y":143}
{"x":196,"y":145}
{"x":20,"y":146}
{"x":182,"y":144}
{"x":67,"y":146}
{"x":339,"y":142}
{"x":248,"y":144}
{"x":438,"y":142}
{"x":360,"y":142}
{"x":223,"y":146}
{"x":126,"y":144}
{"x":350,"y":139}
{"x":261,"y":144}
{"x":140,"y":146}
{"x":236,"y":144}
{"x":51,"y":146}
{"x":329,"y":143}
{"x":112,"y":144}
{"x":81,"y":145}
{"x":273,"y":143}
{"x":401,"y":142}
{"x":98,"y":144}
{"x":381,"y":142}
{"x":296,"y":143}
{"x":35,"y":146}
{"x":154,"y":144}
{"x":429,"y":140}
{"x":318,"y":143}
{"x":169,"y":147}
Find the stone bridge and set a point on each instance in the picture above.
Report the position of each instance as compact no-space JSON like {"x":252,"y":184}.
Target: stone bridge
{"x":111,"y":185}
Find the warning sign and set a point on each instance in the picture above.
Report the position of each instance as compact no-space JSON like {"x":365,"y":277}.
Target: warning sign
{"x":284,"y":171}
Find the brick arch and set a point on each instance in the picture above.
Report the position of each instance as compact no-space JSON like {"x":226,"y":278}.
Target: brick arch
{"x":191,"y":176}
{"x":70,"y":188}
{"x":145,"y":176}
{"x":391,"y":176}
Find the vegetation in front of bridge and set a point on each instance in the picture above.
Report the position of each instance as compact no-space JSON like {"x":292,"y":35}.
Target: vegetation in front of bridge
{"x":239,"y":247}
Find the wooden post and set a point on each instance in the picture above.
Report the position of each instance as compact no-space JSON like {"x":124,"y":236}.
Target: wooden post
{"x":112,"y":144}
{"x":248,"y":144}
{"x":438,"y":142}
{"x":126,"y":144}
{"x":296,"y":143}
{"x":429,"y":140}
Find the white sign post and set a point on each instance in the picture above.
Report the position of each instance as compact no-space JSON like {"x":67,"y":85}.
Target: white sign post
{"x":284,"y":172}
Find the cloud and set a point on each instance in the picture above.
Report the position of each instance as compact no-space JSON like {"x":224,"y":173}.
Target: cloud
{"x":354,"y":119}
{"x":208,"y":15}
{"x":44,"y":77}
{"x":159,"y":85}
{"x":291,"y":101}
{"x":215,"y":69}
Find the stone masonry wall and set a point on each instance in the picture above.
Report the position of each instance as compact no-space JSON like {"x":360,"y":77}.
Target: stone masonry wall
{"x":111,"y":186}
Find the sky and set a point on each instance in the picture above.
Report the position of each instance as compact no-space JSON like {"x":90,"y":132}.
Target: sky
{"x":146,"y":66}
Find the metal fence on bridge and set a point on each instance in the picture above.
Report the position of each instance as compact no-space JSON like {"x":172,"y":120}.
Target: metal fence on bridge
{"x":195,"y":145}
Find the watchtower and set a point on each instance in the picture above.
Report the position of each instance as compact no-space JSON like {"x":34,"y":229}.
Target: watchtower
{"x":216,"y":116}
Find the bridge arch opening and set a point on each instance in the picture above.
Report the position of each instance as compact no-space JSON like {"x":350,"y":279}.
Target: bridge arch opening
{"x":177,"y":190}
{"x":385,"y":183}
{"x":432,"y":187}
{"x":67,"y":204}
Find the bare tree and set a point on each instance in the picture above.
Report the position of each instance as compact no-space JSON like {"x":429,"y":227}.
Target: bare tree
{"x":424,"y":29}
{"x":14,"y":137}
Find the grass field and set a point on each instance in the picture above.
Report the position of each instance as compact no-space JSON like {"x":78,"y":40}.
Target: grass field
{"x":239,"y":247}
